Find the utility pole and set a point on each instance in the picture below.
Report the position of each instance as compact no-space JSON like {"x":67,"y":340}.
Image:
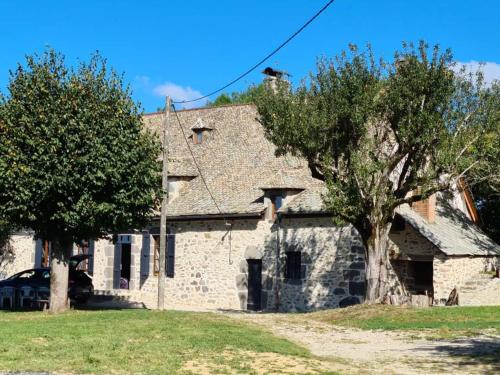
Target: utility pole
{"x":163,"y":214}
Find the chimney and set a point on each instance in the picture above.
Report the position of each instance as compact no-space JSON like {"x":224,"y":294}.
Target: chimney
{"x":272,"y":77}
{"x":426,"y":208}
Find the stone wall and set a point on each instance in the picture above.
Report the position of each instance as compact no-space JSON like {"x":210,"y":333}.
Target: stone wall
{"x":410,"y":244}
{"x":23,"y":256}
{"x":332,"y":269}
{"x":451,"y":272}
{"x":211,"y":268}
{"x":209,"y":263}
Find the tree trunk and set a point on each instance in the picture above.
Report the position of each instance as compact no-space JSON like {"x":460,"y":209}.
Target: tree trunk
{"x":59,"y":274}
{"x":378,"y":263}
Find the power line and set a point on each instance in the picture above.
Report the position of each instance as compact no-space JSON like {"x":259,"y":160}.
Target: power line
{"x":261,"y":61}
{"x":196,"y":163}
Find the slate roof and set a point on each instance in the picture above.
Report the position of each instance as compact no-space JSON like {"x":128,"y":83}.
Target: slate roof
{"x":452,"y":232}
{"x":309,"y":201}
{"x":235,"y":158}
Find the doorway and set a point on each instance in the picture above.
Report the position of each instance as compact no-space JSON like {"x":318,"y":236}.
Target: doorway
{"x":254,"y":284}
{"x":125,"y":265}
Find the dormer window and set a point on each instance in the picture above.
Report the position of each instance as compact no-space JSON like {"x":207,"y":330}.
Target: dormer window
{"x":200,"y":132}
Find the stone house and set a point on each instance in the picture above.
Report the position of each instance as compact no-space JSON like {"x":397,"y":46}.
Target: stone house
{"x":259,"y":236}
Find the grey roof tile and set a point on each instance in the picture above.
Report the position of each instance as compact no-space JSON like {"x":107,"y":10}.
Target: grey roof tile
{"x":452,"y":232}
{"x":235,"y":159}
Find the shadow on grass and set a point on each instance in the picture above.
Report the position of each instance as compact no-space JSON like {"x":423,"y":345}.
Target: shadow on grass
{"x":482,"y":352}
{"x":95,"y":303}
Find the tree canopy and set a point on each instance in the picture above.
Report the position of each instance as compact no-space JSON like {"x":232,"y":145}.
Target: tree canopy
{"x":76,"y":163}
{"x":247,"y":96}
{"x":382,"y":134}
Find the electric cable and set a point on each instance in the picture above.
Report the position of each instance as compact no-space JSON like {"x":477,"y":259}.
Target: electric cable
{"x":272,"y":53}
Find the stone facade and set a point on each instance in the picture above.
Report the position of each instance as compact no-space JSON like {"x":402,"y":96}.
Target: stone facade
{"x":23,"y":256}
{"x":332,"y":265}
{"x":211,"y":264}
{"x":454,"y":272}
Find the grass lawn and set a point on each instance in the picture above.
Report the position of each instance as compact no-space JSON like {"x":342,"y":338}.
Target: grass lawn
{"x":444,"y":321}
{"x":139,"y":342}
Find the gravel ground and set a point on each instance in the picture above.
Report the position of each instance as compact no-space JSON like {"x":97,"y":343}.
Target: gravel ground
{"x":383,"y":352}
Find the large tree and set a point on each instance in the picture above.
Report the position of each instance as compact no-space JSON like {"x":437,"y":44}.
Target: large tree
{"x":382,"y":134}
{"x":75,"y":162}
{"x":485,"y":182}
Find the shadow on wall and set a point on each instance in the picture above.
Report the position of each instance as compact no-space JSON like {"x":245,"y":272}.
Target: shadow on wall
{"x":329,"y":272}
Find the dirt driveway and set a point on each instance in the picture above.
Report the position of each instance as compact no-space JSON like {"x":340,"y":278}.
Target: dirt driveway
{"x":354,"y":351}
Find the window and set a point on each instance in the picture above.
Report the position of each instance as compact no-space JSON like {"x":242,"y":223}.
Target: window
{"x":156,"y":255}
{"x":197,"y":136}
{"x":170,"y":261}
{"x":293,"y":265}
{"x":276,"y":203}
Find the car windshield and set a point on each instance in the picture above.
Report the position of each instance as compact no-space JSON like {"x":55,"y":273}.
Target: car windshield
{"x":23,"y":275}
{"x":31,"y":274}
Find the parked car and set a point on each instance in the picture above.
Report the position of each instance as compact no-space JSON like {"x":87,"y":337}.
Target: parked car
{"x":80,"y":286}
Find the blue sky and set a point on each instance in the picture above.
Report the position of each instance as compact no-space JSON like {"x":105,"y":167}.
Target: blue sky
{"x":192,"y":47}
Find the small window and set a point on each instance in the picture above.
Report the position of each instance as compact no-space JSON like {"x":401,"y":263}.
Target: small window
{"x":293,"y":265}
{"x":276,"y":203}
{"x":198,"y":137}
{"x":156,"y":256}
{"x":170,"y":261}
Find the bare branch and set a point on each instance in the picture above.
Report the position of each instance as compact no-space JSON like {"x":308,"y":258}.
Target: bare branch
{"x":418,"y":197}
{"x":468,"y":169}
{"x":466,"y":147}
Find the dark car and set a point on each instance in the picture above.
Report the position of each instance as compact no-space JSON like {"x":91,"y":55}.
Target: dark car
{"x":80,"y":286}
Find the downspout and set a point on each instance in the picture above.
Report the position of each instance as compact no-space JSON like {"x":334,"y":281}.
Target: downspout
{"x":278,"y":264}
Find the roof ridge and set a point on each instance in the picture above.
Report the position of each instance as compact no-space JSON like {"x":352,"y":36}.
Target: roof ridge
{"x":201,"y":108}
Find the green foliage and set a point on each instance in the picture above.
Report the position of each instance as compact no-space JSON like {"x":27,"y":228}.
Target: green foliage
{"x":485,"y":180}
{"x":250,"y":95}
{"x":76,"y":162}
{"x":488,"y":205}
{"x":5,"y":247}
{"x":377,"y":131}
